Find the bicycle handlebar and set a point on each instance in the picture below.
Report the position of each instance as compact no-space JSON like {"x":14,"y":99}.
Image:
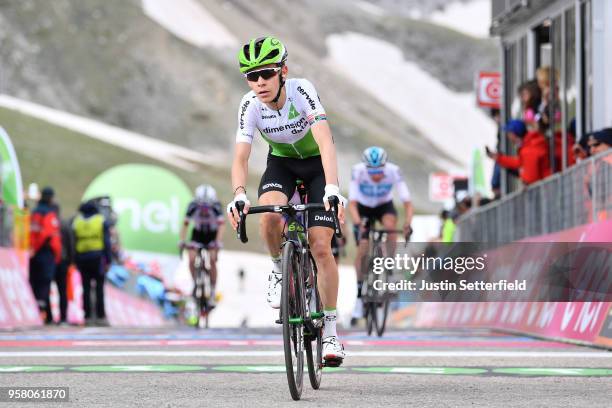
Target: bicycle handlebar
{"x":396,"y":231}
{"x":287,"y":209}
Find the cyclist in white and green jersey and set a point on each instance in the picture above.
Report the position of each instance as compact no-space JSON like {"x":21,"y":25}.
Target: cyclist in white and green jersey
{"x":290,"y":118}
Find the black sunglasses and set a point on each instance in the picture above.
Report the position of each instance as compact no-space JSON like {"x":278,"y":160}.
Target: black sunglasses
{"x":265,"y":73}
{"x":596,"y":144}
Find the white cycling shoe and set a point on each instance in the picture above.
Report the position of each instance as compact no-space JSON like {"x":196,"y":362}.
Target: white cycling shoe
{"x":333,"y":351}
{"x":275,"y":287}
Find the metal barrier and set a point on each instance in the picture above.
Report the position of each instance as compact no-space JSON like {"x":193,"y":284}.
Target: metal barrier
{"x":580,"y":195}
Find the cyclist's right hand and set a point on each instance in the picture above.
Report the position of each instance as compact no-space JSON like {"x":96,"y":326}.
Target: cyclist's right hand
{"x":234,"y":217}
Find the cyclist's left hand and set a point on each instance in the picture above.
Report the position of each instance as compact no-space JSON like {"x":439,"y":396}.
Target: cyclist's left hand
{"x":330,"y":191}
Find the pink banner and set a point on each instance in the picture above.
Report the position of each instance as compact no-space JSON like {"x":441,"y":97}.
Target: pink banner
{"x":122,"y":309}
{"x":127,"y":310}
{"x":587,"y":322}
{"x":18,"y":307}
{"x":582,"y":321}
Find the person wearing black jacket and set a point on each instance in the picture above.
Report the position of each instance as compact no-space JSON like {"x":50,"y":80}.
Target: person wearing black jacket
{"x":61,"y":272}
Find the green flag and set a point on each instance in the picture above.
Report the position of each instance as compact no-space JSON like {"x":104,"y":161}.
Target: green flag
{"x":477,"y":180}
{"x":11,"y":188}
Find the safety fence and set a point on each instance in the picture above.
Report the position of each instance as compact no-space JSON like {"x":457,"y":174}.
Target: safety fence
{"x":578,"y":196}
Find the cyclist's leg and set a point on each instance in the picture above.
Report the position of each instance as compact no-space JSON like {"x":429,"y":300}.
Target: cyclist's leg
{"x":213,"y":253}
{"x":270,"y":224}
{"x":192,"y":256}
{"x":276,"y":185}
{"x":320,"y":232}
{"x":320,"y":247}
{"x":207,"y":238}
{"x":388,"y":217}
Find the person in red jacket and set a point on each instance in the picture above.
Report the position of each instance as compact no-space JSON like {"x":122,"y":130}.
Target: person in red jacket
{"x":46,"y":249}
{"x":532,"y":161}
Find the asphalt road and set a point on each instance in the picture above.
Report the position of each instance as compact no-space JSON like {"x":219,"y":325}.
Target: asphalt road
{"x":239,"y":367}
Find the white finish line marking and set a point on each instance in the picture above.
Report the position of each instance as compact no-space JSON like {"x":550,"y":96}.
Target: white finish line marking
{"x":263,"y":353}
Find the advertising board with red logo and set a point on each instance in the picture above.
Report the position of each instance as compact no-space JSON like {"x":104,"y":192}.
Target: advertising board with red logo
{"x":489,"y":89}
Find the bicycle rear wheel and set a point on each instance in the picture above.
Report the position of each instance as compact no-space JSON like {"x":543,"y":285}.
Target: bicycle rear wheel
{"x":369,"y":312}
{"x":203,"y":285}
{"x":368,"y":296}
{"x":315,"y":360}
{"x":381,"y":311}
{"x":293,"y":333}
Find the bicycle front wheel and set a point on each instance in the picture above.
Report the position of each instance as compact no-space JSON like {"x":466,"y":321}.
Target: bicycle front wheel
{"x":292,"y":311}
{"x":314,"y":358}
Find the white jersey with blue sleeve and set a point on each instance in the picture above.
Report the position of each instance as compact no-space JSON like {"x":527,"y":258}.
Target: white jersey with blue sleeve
{"x":370,"y":194}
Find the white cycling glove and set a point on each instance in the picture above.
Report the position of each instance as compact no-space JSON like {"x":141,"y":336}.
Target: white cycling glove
{"x":333,"y":190}
{"x":239,"y":197}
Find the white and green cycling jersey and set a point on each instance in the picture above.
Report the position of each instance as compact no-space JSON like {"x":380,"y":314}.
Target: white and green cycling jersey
{"x":288,"y":131}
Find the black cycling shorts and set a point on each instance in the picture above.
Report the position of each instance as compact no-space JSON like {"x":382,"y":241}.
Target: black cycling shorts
{"x":281,"y":175}
{"x":203,"y":237}
{"x":373,"y":213}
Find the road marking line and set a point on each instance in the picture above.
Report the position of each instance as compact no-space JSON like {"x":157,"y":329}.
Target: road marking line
{"x":273,"y":353}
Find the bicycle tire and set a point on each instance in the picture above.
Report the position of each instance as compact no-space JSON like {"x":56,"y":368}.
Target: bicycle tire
{"x":380,"y":317}
{"x":369,"y":292}
{"x":291,"y":306}
{"x":202,"y":300}
{"x":369,"y":318}
{"x":315,"y":367}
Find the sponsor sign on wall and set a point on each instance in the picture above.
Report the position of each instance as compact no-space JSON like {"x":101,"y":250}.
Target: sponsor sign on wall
{"x":150,"y":202}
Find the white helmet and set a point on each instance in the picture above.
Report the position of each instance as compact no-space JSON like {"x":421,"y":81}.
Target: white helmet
{"x":205,"y":193}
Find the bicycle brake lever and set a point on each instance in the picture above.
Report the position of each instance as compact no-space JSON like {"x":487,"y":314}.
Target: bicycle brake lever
{"x":241,"y":230}
{"x":333,"y":202}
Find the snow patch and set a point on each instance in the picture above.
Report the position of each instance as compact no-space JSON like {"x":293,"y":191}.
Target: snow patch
{"x":471,"y":18}
{"x":169,"y":153}
{"x":449,"y":119}
{"x":371,"y":8}
{"x":190,"y":22}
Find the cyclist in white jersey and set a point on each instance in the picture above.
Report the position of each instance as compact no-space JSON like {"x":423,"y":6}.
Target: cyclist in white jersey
{"x":371,"y":197}
{"x":288,"y":115}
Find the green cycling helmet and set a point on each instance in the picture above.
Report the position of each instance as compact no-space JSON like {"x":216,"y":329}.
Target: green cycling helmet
{"x":261,"y":51}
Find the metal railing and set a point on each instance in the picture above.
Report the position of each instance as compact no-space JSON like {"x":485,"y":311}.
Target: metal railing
{"x":580,"y":195}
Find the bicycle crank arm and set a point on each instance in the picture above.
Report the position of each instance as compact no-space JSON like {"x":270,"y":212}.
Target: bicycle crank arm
{"x":300,"y":320}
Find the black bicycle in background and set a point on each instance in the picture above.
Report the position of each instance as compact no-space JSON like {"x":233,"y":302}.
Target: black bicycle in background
{"x":202,"y":288}
{"x":301,"y":312}
{"x":376,"y":302}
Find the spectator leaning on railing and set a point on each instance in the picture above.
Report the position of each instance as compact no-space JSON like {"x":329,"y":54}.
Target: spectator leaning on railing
{"x":599,"y":176}
{"x":600,"y":141}
{"x":532,"y":161}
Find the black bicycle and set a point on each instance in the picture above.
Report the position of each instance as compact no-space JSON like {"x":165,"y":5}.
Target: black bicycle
{"x":301,"y":312}
{"x":376,"y":302}
{"x":202,"y":286}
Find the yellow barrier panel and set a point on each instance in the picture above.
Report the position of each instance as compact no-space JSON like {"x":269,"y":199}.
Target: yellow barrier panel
{"x":21,"y":229}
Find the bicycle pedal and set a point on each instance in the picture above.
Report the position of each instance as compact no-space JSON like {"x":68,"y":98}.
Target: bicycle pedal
{"x":278,"y":321}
